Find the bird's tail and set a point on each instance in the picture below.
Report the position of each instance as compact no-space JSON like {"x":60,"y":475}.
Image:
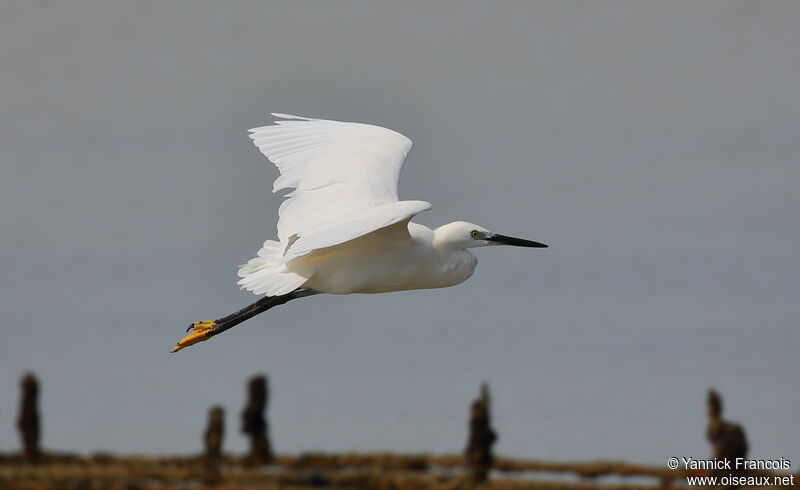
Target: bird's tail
{"x":266,"y":272}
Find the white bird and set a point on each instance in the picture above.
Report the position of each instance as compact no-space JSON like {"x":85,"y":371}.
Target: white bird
{"x":342,"y":229}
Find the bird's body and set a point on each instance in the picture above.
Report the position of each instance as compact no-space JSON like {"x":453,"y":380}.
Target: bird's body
{"x":343,"y":229}
{"x":390,"y":259}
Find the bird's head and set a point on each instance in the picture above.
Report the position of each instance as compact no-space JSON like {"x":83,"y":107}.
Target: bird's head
{"x":462,"y":235}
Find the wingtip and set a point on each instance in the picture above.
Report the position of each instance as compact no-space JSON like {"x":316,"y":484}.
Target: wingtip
{"x":282,"y":116}
{"x":289,"y":116}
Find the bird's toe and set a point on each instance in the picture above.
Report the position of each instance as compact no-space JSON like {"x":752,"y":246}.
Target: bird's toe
{"x":199,"y":331}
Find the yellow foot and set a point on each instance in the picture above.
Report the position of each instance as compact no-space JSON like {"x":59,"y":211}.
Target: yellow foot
{"x":199,"y":332}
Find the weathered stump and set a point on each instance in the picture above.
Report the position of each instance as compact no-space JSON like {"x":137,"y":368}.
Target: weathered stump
{"x":214,"y":434}
{"x":728,"y":440}
{"x":212,"y":437}
{"x":28,"y":423}
{"x":478,"y":457}
{"x":254,"y":422}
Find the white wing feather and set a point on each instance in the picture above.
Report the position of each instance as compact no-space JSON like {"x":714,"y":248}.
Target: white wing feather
{"x":336,"y":168}
{"x":344,"y":177}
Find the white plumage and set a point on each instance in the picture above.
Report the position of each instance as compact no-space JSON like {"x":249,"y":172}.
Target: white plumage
{"x":344,"y":177}
{"x":335,"y":168}
{"x":342,"y":228}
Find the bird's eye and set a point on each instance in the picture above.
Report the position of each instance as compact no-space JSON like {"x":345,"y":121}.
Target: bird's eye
{"x":476,"y":234}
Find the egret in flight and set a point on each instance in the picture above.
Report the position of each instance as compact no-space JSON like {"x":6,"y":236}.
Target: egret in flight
{"x":342,"y":229}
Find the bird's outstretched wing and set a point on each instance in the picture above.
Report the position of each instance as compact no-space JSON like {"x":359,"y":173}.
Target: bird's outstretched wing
{"x":344,"y":177}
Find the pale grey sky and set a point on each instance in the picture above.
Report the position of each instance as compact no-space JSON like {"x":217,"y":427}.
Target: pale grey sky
{"x":653,"y":145}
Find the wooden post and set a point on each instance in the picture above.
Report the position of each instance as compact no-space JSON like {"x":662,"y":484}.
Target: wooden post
{"x":213,"y":436}
{"x":728,"y":440}
{"x":254,"y":422}
{"x":478,"y":457}
{"x":28,"y":423}
{"x":215,"y":431}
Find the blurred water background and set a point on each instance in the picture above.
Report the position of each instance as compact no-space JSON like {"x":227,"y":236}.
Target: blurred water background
{"x":654,"y":145}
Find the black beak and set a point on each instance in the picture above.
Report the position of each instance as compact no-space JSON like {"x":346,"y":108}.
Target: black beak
{"x":510,"y":240}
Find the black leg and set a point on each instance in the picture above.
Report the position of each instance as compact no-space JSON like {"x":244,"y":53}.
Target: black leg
{"x":206,"y":329}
